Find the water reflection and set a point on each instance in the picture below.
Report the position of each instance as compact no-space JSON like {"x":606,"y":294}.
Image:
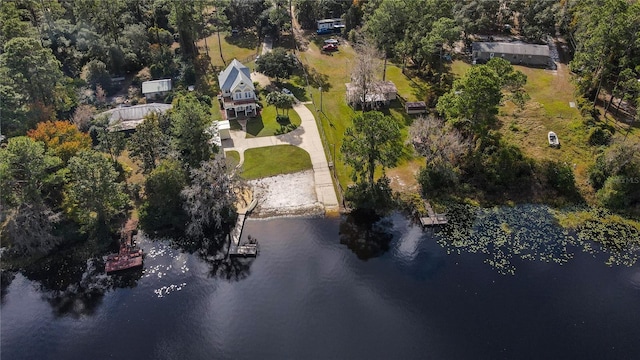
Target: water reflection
{"x":214,"y":251}
{"x":366,"y":234}
{"x":76,"y":289}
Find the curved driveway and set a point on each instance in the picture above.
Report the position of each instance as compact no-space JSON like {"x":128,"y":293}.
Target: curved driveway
{"x":306,"y":137}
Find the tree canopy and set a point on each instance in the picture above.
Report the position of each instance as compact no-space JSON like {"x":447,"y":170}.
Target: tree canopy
{"x":93,"y":196}
{"x":373,"y":140}
{"x":277,"y":64}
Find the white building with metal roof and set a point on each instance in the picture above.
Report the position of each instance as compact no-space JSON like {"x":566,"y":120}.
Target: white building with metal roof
{"x":515,"y":53}
{"x":156,"y":88}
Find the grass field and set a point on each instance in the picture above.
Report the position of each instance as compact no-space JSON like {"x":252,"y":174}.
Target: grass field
{"x":336,"y":115}
{"x":239,"y":47}
{"x":274,"y":160}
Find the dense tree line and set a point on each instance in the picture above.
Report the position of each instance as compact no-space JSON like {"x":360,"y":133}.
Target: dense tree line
{"x":607,"y":49}
{"x":52,"y":51}
{"x":55,"y":181}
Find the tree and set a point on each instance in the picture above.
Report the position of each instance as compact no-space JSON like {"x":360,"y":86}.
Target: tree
{"x":31,"y":70}
{"x":111,"y":140}
{"x":82,"y":117}
{"x":277,"y":64}
{"x":444,"y":32}
{"x":364,"y":74}
{"x":536,"y":19}
{"x":61,"y":138}
{"x":148,"y":144}
{"x":242,"y":14}
{"x":209,"y":201}
{"x":373,"y":140}
{"x":473,"y":101}
{"x":93,"y":197}
{"x":162,"y":62}
{"x":27,"y":174}
{"x":190,"y":118}
{"x":280,"y":101}
{"x":444,"y":149}
{"x":97,"y":75}
{"x":162,"y":206}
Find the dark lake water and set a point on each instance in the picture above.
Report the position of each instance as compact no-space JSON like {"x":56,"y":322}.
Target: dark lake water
{"x":327,"y":289}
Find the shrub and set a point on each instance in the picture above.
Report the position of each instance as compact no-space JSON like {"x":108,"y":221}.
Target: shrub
{"x":599,"y":136}
{"x":560,"y":177}
{"x":282,"y":119}
{"x":435,"y":178}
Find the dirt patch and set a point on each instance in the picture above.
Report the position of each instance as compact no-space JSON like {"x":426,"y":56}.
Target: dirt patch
{"x":286,"y":195}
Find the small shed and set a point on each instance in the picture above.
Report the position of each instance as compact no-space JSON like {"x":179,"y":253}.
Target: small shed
{"x":156,"y":88}
{"x":413,"y":108}
{"x":515,"y":53}
{"x":223,"y":129}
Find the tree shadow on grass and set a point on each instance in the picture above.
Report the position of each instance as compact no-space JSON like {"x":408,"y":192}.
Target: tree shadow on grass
{"x":247,"y":40}
{"x":255,"y":125}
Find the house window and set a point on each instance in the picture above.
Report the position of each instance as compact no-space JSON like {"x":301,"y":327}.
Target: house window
{"x":247,"y":95}
{"x":237,"y":95}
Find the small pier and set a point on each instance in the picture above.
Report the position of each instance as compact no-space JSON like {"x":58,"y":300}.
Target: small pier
{"x":237,"y":249}
{"x":432,"y":219}
{"x":129,"y":256}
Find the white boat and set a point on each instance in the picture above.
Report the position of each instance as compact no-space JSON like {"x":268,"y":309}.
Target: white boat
{"x":553,"y":139}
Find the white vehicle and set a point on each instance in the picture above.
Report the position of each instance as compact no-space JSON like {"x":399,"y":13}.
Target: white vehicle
{"x":287,"y":91}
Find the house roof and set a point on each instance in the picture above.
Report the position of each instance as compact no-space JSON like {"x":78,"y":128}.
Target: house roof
{"x":511,"y":48}
{"x":156,"y":86}
{"x":327,"y":21}
{"x":129,"y":117}
{"x":233,"y":75}
{"x":383,"y":87}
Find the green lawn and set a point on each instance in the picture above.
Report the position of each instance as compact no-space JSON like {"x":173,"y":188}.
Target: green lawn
{"x":233,"y":157}
{"x":239,"y":47}
{"x":274,"y":160}
{"x":265,"y":123}
{"x":336,"y":116}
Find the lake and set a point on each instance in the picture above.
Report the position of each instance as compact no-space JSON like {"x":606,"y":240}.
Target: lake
{"x":334,"y":288}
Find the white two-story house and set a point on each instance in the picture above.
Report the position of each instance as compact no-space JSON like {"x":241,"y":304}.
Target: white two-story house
{"x":237,"y":94}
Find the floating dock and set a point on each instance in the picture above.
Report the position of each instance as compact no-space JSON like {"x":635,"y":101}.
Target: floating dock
{"x":432,"y":219}
{"x":129,"y":256}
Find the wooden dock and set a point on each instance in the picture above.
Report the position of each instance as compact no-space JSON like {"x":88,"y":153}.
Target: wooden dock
{"x":432,"y":219}
{"x":235,"y":248}
{"x":129,"y":256}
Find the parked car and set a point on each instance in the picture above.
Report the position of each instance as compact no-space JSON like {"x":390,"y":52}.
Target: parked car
{"x":330,"y":47}
{"x":287,"y":91}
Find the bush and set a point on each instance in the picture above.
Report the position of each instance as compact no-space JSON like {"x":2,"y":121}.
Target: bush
{"x":283,"y":119}
{"x":436,"y":178}
{"x":560,"y":177}
{"x":598,"y":173}
{"x":377,"y":198}
{"x":614,"y":193}
{"x":599,"y":136}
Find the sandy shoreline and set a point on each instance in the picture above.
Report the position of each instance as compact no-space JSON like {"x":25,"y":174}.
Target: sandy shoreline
{"x":286,"y":195}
